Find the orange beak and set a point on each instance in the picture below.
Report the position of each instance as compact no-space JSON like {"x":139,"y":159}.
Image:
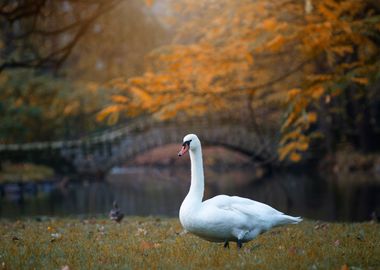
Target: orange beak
{"x":183,"y":150}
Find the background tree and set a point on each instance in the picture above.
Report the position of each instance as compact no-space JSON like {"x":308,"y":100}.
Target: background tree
{"x":54,"y":52}
{"x":42,"y":34}
{"x":342,"y":87}
{"x":283,"y":61}
{"x":116,"y":44}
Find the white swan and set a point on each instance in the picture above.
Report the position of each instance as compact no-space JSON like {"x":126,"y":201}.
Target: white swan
{"x":223,"y":218}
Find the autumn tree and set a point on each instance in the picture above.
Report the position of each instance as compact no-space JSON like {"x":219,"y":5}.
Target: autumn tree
{"x":342,"y":39}
{"x":53,"y":54}
{"x":209,"y":65}
{"x":221,"y":67}
{"x":280,"y":61}
{"x":116,"y":44}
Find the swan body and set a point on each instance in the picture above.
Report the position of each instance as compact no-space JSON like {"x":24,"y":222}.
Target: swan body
{"x":223,"y":218}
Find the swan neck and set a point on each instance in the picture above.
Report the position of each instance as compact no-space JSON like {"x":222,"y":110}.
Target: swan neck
{"x":197,"y":176}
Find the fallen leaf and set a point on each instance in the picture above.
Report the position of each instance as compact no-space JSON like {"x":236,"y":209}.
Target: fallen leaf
{"x":15,"y":238}
{"x":360,"y":235}
{"x":89,"y":221}
{"x":292,"y":250}
{"x":101,"y":229}
{"x":55,"y":236}
{"x":141,"y":231}
{"x":183,"y":232}
{"x":321,"y":226}
{"x":144,"y":245}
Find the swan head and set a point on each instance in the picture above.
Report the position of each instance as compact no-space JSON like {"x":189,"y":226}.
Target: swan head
{"x":190,"y":142}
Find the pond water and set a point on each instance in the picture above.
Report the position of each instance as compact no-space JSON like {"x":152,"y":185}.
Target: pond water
{"x":159,"y":191}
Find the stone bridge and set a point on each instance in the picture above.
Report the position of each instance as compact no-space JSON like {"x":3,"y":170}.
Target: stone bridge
{"x":100,"y":152}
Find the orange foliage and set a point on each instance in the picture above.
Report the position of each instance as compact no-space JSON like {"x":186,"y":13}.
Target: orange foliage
{"x":149,"y":3}
{"x":249,"y":51}
{"x":335,"y":31}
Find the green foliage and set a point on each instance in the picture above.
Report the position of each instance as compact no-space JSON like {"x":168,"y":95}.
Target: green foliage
{"x":37,"y":39}
{"x":35,"y":107}
{"x":25,"y":172}
{"x":159,"y":243}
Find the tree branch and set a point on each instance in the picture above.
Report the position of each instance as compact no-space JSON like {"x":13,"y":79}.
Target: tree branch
{"x":56,"y":57}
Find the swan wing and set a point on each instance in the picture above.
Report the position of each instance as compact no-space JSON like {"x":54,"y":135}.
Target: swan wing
{"x":251,"y":212}
{"x":243,"y":205}
{"x":255,"y":212}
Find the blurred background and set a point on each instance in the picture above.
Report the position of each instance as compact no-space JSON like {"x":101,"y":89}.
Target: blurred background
{"x":96,"y":96}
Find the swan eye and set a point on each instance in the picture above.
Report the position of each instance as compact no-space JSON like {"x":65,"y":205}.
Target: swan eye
{"x":186,"y":143}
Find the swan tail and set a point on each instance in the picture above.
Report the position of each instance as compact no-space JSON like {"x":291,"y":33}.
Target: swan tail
{"x":285,"y":219}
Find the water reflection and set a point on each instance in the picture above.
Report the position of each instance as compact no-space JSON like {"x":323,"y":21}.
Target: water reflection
{"x":153,"y":191}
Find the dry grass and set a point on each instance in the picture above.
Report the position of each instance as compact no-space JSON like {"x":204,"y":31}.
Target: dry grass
{"x":159,"y":243}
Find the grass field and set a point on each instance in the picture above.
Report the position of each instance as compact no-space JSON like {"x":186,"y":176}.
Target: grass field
{"x":160,"y":243}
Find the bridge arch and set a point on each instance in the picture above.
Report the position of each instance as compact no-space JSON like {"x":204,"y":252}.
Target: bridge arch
{"x":101,"y":152}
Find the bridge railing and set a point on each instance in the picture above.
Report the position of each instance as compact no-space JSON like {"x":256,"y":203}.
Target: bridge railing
{"x":102,"y":150}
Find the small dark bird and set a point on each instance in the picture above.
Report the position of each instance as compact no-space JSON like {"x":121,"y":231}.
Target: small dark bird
{"x":115,"y":213}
